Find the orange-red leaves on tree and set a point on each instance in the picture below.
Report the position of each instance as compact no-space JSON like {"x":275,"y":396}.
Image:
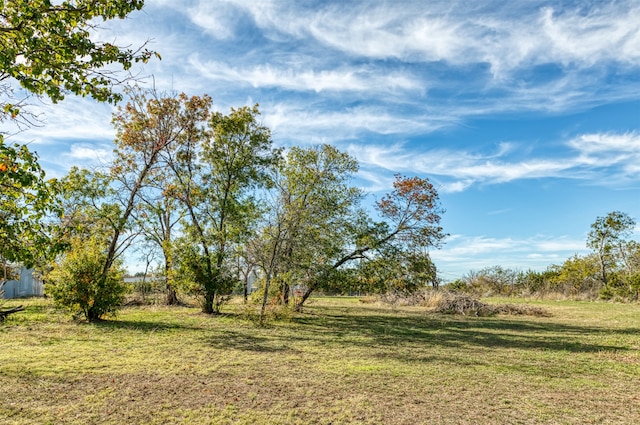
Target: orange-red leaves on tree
{"x":413,"y":207}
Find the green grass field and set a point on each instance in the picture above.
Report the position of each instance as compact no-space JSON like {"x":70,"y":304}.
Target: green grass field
{"x":340,"y":361}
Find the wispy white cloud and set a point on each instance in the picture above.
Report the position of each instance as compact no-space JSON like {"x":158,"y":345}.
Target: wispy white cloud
{"x":304,"y":124}
{"x":599,"y":143}
{"x":72,"y":119}
{"x":362,"y":50}
{"x":462,"y":253}
{"x":607,"y":32}
{"x":456,"y":186}
{"x":216,"y":18}
{"x":501,"y":211}
{"x":461,"y":165}
{"x":89,"y":153}
{"x":610,"y":150}
{"x":618,"y":153}
{"x":372,"y":182}
{"x":349,"y":79}
{"x":459,"y":32}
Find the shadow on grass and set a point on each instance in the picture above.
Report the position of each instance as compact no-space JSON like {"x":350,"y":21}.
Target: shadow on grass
{"x":243,"y":339}
{"x":387,"y":329}
{"x":144,"y":325}
{"x":383,"y":329}
{"x":248,"y":341}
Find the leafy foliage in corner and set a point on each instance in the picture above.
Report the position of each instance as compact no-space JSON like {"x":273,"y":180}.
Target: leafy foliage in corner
{"x":47,"y":47}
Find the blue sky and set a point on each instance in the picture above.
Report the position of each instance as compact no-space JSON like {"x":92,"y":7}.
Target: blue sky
{"x":525,"y":114}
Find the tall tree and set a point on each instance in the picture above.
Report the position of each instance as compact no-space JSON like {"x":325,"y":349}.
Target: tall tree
{"x":410,"y":221}
{"x":607,"y":238}
{"x":313,"y":206}
{"x":162,"y":124}
{"x":149,"y":128}
{"x":216,"y":183}
{"x":316,"y":228}
{"x":141,"y":137}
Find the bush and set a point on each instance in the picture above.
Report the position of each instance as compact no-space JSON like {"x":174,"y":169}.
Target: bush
{"x":606,"y":293}
{"x":78,"y":284}
{"x":458,"y":285}
{"x":621,"y":288}
{"x":256,"y":296}
{"x":199,"y":276}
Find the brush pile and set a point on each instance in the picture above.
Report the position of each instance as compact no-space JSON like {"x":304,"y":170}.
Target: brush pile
{"x":5,"y":312}
{"x":452,"y":303}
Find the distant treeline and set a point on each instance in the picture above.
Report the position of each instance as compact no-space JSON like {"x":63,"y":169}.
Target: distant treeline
{"x":611,"y":271}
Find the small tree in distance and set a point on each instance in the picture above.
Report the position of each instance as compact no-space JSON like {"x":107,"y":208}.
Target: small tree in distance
{"x":608,"y":238}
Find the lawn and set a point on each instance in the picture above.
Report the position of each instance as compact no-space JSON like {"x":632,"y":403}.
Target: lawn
{"x":341,"y":361}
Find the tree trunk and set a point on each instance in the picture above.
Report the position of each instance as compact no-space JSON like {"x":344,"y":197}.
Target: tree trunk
{"x":306,"y":295}
{"x":265,"y":295}
{"x":207,"y":306}
{"x":92,"y":315}
{"x":603,"y":269}
{"x":354,"y":255}
{"x":172,"y":297}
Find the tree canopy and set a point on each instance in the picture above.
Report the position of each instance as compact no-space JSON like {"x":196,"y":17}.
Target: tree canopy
{"x":608,"y":237}
{"x":48,"y":47}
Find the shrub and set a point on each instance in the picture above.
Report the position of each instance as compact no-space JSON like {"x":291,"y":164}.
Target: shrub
{"x":633,"y":282}
{"x":78,"y":284}
{"x":458,"y":285}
